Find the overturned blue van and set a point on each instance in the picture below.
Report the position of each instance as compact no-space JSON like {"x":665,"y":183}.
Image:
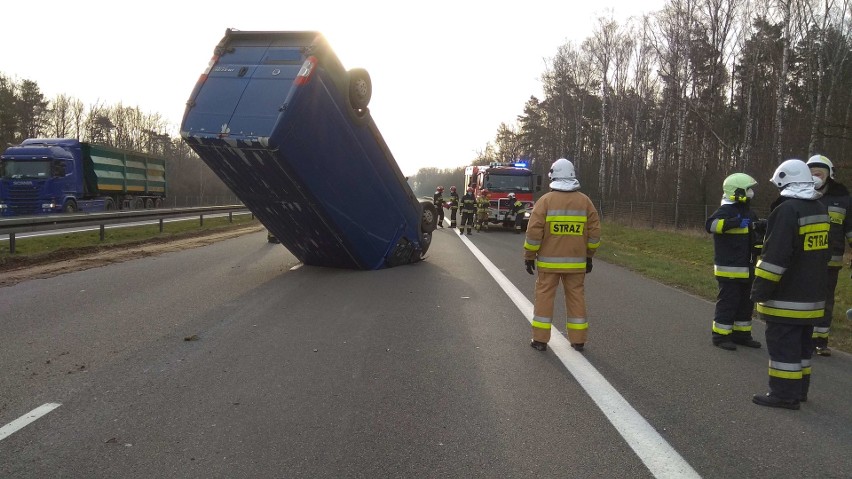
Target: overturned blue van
{"x":280,"y":120}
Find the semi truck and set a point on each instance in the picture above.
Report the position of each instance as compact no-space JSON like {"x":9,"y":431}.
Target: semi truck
{"x":500,"y":179}
{"x":281,"y":121}
{"x":55,"y":175}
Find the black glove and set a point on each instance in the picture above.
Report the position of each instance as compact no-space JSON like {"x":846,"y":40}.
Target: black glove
{"x":760,"y":227}
{"x":731,"y":223}
{"x":530,"y":264}
{"x":588,"y":265}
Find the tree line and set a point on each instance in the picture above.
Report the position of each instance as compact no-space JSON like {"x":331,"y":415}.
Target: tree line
{"x":25,"y":112}
{"x":663,"y":107}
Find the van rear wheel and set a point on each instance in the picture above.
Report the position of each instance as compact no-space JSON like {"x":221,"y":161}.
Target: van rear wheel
{"x":360,"y":88}
{"x":429,"y":217}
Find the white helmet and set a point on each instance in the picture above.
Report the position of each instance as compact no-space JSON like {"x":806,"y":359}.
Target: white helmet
{"x":819,"y":161}
{"x":792,"y":171}
{"x":562,"y":169}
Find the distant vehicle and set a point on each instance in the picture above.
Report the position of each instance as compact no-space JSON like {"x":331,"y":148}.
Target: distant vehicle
{"x":54,"y":175}
{"x":277,"y":117}
{"x":500,"y":179}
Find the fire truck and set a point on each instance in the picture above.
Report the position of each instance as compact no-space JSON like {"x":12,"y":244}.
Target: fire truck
{"x":500,"y":179}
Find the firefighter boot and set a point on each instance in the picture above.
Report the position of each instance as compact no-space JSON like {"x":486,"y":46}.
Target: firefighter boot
{"x":747,"y":342}
{"x":578,"y":347}
{"x":822,"y":351}
{"x":538,"y":345}
{"x":469,"y":232}
{"x":771,"y":401}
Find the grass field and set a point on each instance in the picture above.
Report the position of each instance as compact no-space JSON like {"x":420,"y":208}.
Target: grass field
{"x":684,"y":259}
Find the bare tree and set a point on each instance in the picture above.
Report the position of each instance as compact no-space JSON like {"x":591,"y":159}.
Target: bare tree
{"x":602,"y":47}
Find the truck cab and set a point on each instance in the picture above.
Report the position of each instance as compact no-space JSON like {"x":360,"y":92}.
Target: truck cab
{"x":500,"y":179}
{"x":38,"y":178}
{"x":280,"y":120}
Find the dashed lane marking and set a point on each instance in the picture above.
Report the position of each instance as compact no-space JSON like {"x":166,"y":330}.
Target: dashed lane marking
{"x":26,"y":419}
{"x":657,"y":454}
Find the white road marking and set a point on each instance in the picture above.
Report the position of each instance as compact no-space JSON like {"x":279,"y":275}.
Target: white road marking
{"x":657,"y":454}
{"x":27,"y":418}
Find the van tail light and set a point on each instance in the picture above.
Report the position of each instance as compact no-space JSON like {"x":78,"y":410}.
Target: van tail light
{"x":206,"y":72}
{"x":307,"y":70}
{"x":201,"y":79}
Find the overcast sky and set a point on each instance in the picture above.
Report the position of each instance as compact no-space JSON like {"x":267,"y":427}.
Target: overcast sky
{"x":445,"y":73}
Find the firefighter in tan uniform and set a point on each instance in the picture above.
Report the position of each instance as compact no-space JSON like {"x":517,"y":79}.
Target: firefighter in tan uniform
{"x":563,"y":233}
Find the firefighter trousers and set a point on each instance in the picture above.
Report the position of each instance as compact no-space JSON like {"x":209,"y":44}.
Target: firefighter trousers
{"x":734,"y":307}
{"x":440,"y":211}
{"x":790,"y":350}
{"x":823,"y":326}
{"x":466,"y":221}
{"x":575,"y":305}
{"x":453,"y":212}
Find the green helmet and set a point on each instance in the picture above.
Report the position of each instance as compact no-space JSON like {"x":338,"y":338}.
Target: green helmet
{"x":735,"y":186}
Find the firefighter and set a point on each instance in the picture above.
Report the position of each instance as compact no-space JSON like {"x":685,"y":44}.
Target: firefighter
{"x":454,"y":206}
{"x":835,"y":197}
{"x":438,"y":201}
{"x":790,"y":283}
{"x":515,"y":208}
{"x":483,"y":206}
{"x":468,"y":209}
{"x":734,"y":255}
{"x":562,"y":236}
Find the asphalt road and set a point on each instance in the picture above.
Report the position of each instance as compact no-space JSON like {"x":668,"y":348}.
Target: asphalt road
{"x":229,"y":360}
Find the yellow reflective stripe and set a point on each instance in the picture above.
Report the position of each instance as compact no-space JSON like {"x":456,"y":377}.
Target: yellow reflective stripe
{"x":762,"y":273}
{"x":593,"y":244}
{"x":777,"y":373}
{"x":717,"y":225}
{"x":545,"y":265}
{"x":731,"y":271}
{"x":813,"y":228}
{"x":836,"y":217}
{"x":742,"y":325}
{"x":577,"y":326}
{"x":789,"y":313}
{"x":531,"y":247}
{"x":577,"y":219}
{"x":737,"y":231}
{"x":806,"y":371}
{"x":723,"y":329}
{"x":540,"y":325}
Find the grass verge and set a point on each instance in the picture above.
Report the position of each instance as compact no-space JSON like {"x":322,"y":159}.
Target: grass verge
{"x":684,"y":259}
{"x":42,"y":249}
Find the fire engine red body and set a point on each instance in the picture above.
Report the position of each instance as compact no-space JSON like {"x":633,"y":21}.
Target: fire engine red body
{"x":500,"y":179}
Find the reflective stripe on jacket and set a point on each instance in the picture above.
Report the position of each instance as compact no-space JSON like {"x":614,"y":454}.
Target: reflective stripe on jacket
{"x":839,"y":204}
{"x":791,"y":276}
{"x":468,"y":204}
{"x":734,"y":248}
{"x":564,"y":229}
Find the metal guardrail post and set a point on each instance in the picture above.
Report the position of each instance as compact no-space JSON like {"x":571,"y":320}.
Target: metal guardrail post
{"x":11,"y":243}
{"x":102,"y":231}
{"x":161,"y":225}
{"x":201,"y":220}
{"x":231,"y":217}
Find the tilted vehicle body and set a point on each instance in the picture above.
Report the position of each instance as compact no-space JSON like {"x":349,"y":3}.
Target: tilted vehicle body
{"x":284,"y":125}
{"x":500,"y":179}
{"x":53,"y":175}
